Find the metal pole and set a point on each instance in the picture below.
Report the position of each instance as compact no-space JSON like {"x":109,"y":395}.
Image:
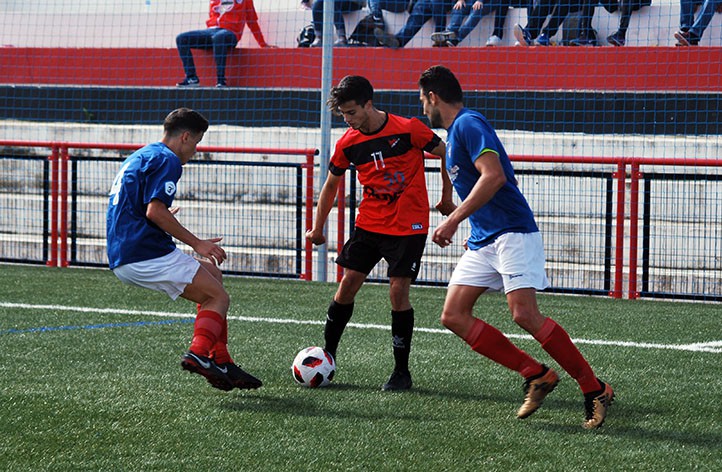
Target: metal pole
{"x":326,"y":82}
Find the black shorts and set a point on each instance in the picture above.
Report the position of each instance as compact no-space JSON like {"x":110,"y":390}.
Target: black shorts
{"x":364,"y":250}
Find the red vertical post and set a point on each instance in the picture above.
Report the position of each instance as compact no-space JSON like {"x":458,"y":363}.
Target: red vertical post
{"x":309,"y":215}
{"x":53,"y":158}
{"x":63,"y":215}
{"x":621,"y":176}
{"x":633,"y":228}
{"x":341,"y":223}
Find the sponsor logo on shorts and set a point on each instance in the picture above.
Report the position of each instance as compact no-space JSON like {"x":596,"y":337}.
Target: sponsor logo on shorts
{"x":417,"y":226}
{"x":514,"y":276}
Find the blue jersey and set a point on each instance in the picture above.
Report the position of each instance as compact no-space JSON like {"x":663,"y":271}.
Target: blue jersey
{"x":150,"y":172}
{"x":469,"y":136}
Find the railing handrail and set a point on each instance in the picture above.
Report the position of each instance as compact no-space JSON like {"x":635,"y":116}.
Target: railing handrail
{"x":133,"y":147}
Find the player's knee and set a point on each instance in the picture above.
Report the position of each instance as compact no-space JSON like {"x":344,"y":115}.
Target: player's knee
{"x":525,"y":318}
{"x":449,"y":319}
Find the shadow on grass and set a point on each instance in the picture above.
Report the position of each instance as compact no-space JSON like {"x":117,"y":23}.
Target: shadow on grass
{"x":625,"y":421}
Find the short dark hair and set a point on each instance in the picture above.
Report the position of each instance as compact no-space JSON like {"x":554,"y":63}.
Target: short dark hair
{"x":351,"y":87}
{"x":184,"y":119}
{"x":443,"y":83}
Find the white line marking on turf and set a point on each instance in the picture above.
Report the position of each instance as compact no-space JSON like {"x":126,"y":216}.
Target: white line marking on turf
{"x":711,"y":346}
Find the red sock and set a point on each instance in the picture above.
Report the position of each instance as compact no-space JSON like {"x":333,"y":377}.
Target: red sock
{"x":555,"y":340}
{"x":219,"y":352}
{"x":206,"y":331}
{"x":490,"y":342}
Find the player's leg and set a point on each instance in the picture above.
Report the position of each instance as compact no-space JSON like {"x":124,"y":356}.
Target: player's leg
{"x":402,"y":329}
{"x":341,"y":309}
{"x":210,"y":336}
{"x":475,"y":273}
{"x":219,"y":352}
{"x":485,"y":339}
{"x":522,"y":262}
{"x":403,"y":255}
{"x":358,"y":257}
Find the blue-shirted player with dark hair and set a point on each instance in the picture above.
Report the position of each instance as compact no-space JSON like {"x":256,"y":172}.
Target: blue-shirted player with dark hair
{"x":505,"y":252}
{"x":140,"y":229}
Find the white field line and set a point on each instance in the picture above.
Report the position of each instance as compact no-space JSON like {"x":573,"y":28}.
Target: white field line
{"x":711,"y":346}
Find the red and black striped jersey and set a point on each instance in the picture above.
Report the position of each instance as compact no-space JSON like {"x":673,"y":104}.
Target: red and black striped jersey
{"x":390,"y":167}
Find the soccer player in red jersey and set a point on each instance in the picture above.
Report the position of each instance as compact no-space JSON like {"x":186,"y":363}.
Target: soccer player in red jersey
{"x":393,"y":217}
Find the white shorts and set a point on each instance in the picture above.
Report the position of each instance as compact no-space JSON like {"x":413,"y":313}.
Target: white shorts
{"x":169,"y":274}
{"x":512,"y":262}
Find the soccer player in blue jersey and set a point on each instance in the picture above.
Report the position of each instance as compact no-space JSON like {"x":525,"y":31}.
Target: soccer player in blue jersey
{"x":505,"y":252}
{"x":140,"y":229}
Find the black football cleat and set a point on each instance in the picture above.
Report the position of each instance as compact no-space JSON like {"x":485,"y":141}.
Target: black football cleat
{"x":205,"y":366}
{"x":239,"y":377}
{"x":399,"y":380}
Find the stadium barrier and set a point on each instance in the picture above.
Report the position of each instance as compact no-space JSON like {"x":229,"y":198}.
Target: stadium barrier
{"x":68,"y":228}
{"x":591,"y":211}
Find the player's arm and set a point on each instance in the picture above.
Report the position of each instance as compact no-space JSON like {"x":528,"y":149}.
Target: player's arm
{"x":446,"y":204}
{"x":492,"y":179}
{"x":323,"y":208}
{"x":161,"y":216}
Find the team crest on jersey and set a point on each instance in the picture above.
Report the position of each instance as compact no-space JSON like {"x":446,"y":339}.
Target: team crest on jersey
{"x":169,"y":188}
{"x":453,"y":172}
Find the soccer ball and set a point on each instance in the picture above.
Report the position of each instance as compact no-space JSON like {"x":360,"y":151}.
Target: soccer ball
{"x":313,"y":367}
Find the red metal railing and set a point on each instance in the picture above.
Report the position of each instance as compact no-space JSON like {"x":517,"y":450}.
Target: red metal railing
{"x":627,"y":169}
{"x":620,"y":175}
{"x":59,"y":178}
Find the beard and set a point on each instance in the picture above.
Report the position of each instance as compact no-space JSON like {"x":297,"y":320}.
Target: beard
{"x":435,"y":119}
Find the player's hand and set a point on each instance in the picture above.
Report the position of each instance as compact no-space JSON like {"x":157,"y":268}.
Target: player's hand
{"x":174,"y":210}
{"x":444,"y":233}
{"x":445,"y":207}
{"x":317,"y":238}
{"x":212,"y":251}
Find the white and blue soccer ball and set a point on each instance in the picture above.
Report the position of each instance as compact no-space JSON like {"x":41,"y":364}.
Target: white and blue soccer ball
{"x":313,"y":367}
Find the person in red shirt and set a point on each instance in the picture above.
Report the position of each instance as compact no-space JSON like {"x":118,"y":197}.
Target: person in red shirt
{"x":226,"y":21}
{"x":393,"y":217}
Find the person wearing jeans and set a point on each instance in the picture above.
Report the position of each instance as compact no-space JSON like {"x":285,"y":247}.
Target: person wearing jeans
{"x":690,"y":33}
{"x":423,"y":11}
{"x":339,"y":8}
{"x":464,"y":18}
{"x":226,"y":21}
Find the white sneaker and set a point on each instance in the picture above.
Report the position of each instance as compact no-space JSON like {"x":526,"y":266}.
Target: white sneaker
{"x":493,"y":40}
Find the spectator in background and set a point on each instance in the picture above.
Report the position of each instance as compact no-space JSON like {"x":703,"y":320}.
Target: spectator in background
{"x":339,"y":8}
{"x":423,"y":11}
{"x":535,"y":33}
{"x":226,"y":21}
{"x":690,"y":33}
{"x":465,"y":17}
{"x":626,"y":7}
{"x":394,"y":6}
